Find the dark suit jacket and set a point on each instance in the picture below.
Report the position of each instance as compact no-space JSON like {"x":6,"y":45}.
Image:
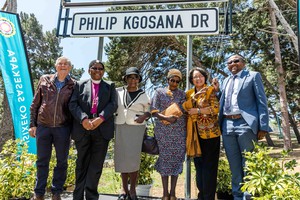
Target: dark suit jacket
{"x":252,"y":101}
{"x":80,"y":107}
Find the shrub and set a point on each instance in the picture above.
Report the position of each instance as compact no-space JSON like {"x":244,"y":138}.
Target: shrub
{"x":268,"y":178}
{"x":18,"y":170}
{"x":224,"y":177}
{"x":147,"y":164}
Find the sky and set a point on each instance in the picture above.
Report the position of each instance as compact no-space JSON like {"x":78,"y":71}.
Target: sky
{"x":79,"y":50}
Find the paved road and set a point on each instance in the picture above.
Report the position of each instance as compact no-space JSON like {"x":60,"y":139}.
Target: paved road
{"x":69,"y":196}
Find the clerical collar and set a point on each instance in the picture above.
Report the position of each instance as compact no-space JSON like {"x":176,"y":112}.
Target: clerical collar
{"x":96,"y":81}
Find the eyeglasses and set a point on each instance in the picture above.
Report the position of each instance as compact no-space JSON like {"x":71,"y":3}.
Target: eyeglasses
{"x":133,"y":77}
{"x":97,"y":68}
{"x":61,"y":64}
{"x":174,"y":81}
{"x":233,"y":61}
{"x":197,"y":77}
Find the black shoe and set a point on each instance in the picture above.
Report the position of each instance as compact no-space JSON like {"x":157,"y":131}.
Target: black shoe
{"x":56,"y":197}
{"x":122,"y":197}
{"x":133,"y":197}
{"x":37,"y":197}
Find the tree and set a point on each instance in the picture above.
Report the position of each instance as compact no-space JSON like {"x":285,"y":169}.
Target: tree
{"x":281,"y":84}
{"x":251,"y":37}
{"x":43,"y":49}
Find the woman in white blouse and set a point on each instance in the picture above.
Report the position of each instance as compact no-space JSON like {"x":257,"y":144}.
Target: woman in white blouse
{"x":133,"y":110}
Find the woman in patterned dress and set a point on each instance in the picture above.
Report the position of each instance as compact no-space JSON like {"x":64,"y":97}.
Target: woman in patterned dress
{"x":170,"y":137}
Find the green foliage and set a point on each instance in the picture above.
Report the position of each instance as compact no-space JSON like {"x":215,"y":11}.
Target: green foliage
{"x":147,"y":164}
{"x":146,"y":169}
{"x":224,"y":177}
{"x":251,"y":36}
{"x":42,"y":48}
{"x":268,"y":178}
{"x":17,"y":170}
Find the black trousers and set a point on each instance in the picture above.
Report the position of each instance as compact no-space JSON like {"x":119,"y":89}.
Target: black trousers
{"x":207,"y":168}
{"x":59,"y":137}
{"x":91,"y":152}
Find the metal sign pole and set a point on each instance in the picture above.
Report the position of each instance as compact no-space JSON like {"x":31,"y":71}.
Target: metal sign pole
{"x":187,"y":160}
{"x":100,"y":49}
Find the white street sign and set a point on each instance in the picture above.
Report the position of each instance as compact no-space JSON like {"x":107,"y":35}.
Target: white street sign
{"x":150,"y":22}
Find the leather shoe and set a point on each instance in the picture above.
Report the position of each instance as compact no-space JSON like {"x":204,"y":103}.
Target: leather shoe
{"x":133,"y":197}
{"x":165,"y":198}
{"x":37,"y":197}
{"x":56,"y":197}
{"x":173,"y":198}
{"x":122,"y":197}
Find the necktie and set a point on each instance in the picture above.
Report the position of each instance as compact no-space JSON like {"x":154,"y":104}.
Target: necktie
{"x":229,"y":94}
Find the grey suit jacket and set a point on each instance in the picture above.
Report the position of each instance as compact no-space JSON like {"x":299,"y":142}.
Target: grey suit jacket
{"x":252,"y":101}
{"x":80,"y":106}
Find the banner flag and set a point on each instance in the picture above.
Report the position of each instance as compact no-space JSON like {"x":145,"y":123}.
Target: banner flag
{"x":16,"y":76}
{"x":298,"y":25}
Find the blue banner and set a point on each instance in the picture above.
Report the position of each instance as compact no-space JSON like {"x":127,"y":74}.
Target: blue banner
{"x":298,"y":24}
{"x":16,"y":76}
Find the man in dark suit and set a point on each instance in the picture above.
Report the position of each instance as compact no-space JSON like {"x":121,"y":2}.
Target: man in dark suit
{"x":243,"y":116}
{"x":93,"y":104}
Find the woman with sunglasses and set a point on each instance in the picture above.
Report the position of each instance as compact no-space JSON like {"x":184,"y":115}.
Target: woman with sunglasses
{"x":203,"y":132}
{"x":170,"y":132}
{"x":133,"y":110}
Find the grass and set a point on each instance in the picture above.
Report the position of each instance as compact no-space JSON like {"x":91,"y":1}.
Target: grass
{"x":110,"y":182}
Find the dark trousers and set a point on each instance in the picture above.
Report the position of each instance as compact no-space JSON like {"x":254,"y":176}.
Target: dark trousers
{"x":207,"y":168}
{"x":91,"y":152}
{"x":45,"y":138}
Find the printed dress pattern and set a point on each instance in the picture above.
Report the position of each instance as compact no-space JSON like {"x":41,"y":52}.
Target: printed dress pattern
{"x":171,"y":138}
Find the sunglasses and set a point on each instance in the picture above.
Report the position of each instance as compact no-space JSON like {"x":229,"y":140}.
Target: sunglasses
{"x":97,"y":69}
{"x":233,"y":61}
{"x":174,"y":81}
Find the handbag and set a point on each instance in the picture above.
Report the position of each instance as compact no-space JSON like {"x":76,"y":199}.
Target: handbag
{"x":173,"y":109}
{"x":149,"y":145}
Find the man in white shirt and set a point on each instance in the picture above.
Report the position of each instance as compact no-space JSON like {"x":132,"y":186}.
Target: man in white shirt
{"x":243,"y":116}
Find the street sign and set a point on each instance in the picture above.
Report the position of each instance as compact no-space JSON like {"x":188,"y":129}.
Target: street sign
{"x":69,"y":4}
{"x":149,"y":22}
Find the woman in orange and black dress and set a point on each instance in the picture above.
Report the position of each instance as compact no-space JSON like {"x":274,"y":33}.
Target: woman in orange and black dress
{"x":203,"y":132}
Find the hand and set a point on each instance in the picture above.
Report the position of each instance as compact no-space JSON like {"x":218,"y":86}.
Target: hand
{"x":171,"y":118}
{"x":96,"y":122}
{"x":215,"y":84}
{"x":87,"y":124}
{"x":140,"y":119}
{"x":193,"y":111}
{"x":32,"y":131}
{"x":261,"y":135}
